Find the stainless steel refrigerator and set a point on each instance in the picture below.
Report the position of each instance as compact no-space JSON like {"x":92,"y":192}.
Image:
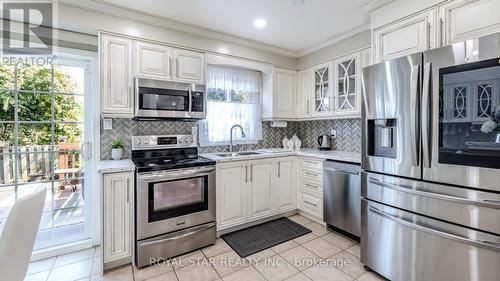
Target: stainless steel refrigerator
{"x":431,"y":164}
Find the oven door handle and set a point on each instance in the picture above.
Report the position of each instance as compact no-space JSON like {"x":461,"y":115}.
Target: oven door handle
{"x":190,"y":108}
{"x":175,"y":173}
{"x":170,"y":239}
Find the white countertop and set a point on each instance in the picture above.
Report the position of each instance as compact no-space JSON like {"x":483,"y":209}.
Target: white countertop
{"x":338,"y":155}
{"x":112,"y":166}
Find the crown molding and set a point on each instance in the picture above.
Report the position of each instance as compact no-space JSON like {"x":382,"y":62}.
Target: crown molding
{"x":372,"y":5}
{"x":335,"y":39}
{"x":103,"y":7}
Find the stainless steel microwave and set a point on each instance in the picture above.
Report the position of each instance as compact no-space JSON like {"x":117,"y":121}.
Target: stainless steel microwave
{"x":164,"y":99}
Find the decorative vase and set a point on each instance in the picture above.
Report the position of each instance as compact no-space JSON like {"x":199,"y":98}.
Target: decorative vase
{"x":117,"y":153}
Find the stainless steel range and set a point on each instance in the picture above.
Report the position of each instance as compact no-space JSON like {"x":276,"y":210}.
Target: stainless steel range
{"x":431,"y":161}
{"x":175,"y":197}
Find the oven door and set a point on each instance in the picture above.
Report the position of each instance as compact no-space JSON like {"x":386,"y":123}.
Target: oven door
{"x":163,"y":99}
{"x":461,"y":89}
{"x":174,"y":199}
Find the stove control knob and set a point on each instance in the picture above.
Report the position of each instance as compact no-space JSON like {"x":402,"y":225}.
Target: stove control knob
{"x":180,"y":140}
{"x":191,"y":140}
{"x":146,"y":141}
{"x":138,"y":141}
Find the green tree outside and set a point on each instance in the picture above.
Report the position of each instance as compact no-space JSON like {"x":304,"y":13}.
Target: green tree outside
{"x":38,"y":107}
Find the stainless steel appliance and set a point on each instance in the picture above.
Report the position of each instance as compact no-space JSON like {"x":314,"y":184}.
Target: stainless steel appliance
{"x":431,"y":180}
{"x":342,"y":196}
{"x":163,"y":99}
{"x":324,"y":142}
{"x":175,"y":197}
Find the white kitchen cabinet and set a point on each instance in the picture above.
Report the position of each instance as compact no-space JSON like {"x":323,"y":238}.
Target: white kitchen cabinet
{"x":366,"y":57}
{"x":304,"y":95}
{"x":260,"y":188}
{"x":116,"y":76}
{"x":284,"y":89}
{"x":286,"y":191}
{"x":323,"y":104}
{"x":466,"y":19}
{"x":407,"y":36}
{"x":189,"y":66}
{"x":256,"y":189}
{"x":311,"y":187}
{"x":232,"y":194}
{"x":117,"y":217}
{"x":347,"y":85}
{"x":153,"y":61}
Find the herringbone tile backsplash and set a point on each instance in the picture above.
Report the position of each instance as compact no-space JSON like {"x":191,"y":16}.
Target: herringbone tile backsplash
{"x":348,"y":134}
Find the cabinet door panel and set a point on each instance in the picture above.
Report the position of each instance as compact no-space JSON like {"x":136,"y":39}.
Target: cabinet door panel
{"x":231,"y":194}
{"x":304,"y":94}
{"x":189,"y":66}
{"x":152,"y":61}
{"x":286,"y":184}
{"x":347,"y":86}
{"x":323,"y":93}
{"x":405,"y":37}
{"x":260,"y":190}
{"x":117,"y":211}
{"x":284,"y":92}
{"x":466,"y":19}
{"x":116,"y":76}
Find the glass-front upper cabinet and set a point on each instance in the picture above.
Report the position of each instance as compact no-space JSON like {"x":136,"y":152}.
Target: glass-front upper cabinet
{"x":347,"y":88}
{"x":323,"y":98}
{"x":469,"y":128}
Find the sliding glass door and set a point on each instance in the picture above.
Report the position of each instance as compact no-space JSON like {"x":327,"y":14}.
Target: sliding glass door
{"x":43,"y":142}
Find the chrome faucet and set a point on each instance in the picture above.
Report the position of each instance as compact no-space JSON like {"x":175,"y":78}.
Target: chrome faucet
{"x":231,"y":136}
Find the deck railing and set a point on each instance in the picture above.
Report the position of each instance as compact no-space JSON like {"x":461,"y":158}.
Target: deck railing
{"x":34,"y":162}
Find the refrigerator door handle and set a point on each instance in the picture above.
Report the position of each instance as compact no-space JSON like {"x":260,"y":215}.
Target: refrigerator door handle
{"x":426,"y":111}
{"x":483,"y":244}
{"x":414,"y":129}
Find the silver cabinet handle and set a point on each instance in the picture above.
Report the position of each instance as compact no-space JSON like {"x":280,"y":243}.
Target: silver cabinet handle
{"x":312,"y":204}
{"x":161,"y":241}
{"x":128,"y":190}
{"x":251,"y":172}
{"x":169,"y":65}
{"x":414,"y":120}
{"x":483,"y":244}
{"x":312,"y":186}
{"x":246,"y":173}
{"x":308,"y":107}
{"x":426,"y":104}
{"x":177,"y":67}
{"x":190,"y":100}
{"x":279,"y":168}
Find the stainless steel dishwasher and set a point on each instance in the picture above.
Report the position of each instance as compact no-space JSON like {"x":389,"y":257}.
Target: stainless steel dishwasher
{"x":342,"y":196}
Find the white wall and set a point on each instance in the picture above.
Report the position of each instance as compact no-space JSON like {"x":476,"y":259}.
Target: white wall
{"x":355,"y":42}
{"x":90,"y":22}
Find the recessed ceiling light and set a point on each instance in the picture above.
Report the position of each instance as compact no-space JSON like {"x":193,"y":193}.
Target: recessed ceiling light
{"x":260,"y":23}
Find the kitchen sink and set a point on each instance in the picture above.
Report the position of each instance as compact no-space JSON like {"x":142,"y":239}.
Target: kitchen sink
{"x":235,"y":154}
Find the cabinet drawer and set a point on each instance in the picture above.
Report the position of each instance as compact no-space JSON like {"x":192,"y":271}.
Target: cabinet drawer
{"x":312,"y":205}
{"x":312,"y":163}
{"x":310,"y":175}
{"x":312,"y":187}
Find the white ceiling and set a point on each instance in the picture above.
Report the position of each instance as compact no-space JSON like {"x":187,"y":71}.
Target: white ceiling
{"x":296,"y":29}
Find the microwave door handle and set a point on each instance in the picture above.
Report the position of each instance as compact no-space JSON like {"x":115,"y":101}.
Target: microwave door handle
{"x":414,"y":130}
{"x":190,"y":96}
{"x":426,"y":111}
